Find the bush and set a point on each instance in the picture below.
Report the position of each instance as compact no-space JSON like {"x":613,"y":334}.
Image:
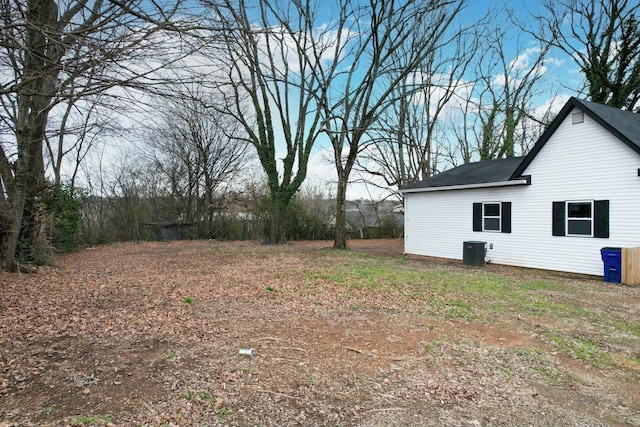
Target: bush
{"x":62,"y":205}
{"x":302,"y":221}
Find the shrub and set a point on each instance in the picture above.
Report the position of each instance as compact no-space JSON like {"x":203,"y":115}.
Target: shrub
{"x":62,"y":205}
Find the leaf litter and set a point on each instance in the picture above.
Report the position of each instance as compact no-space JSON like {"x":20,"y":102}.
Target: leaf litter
{"x":107,"y":337}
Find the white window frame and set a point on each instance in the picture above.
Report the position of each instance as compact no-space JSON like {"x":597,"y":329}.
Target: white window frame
{"x":568,"y":218}
{"x":498,"y":217}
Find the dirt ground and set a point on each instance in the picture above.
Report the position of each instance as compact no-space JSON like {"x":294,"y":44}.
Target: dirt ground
{"x":150,"y":334}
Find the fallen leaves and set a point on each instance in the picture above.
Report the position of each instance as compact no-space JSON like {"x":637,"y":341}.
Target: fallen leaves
{"x":150,"y":332}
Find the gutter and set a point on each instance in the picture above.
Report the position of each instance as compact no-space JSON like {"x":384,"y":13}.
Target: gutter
{"x":526,"y":180}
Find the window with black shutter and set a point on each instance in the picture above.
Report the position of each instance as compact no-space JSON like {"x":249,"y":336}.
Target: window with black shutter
{"x":506,"y":217}
{"x":581,"y":218}
{"x":492,"y":216}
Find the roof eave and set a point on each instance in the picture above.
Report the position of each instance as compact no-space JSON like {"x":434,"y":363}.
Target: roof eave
{"x":522,"y":181}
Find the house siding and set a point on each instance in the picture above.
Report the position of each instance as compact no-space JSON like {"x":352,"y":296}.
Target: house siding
{"x":579,"y":162}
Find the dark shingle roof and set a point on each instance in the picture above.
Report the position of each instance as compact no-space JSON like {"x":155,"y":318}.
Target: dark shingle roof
{"x":625,"y":125}
{"x":472,"y":173}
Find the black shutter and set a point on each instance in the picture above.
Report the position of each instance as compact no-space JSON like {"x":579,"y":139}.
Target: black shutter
{"x":557,"y":228}
{"x":477,"y":217}
{"x":601,"y":219}
{"x":506,"y":217}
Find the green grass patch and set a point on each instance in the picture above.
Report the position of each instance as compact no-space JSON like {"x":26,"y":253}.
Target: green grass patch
{"x":358,"y":276}
{"x":483,"y":296}
{"x":93,"y":421}
{"x":538,"y":285}
{"x":543,"y":367}
{"x":451,"y":294}
{"x":630,"y":328}
{"x":545,"y":307}
{"x":212,"y":403}
{"x":552,"y":376}
{"x":434,"y":346}
{"x":584,"y":349}
{"x":459,"y":310}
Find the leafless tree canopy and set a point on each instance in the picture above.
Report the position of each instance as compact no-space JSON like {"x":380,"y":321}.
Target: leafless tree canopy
{"x":197,"y":152}
{"x":406,"y":143}
{"x":500,"y":118}
{"x":603,"y":38}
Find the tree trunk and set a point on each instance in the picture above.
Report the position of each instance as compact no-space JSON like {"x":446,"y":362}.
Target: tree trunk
{"x":33,"y":108}
{"x":11,"y":261}
{"x":340,"y":232}
{"x":208,"y":209}
{"x":278,"y":231}
{"x":29,"y":180}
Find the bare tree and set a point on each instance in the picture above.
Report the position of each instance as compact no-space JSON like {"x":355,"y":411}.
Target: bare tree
{"x":197,"y":151}
{"x":270,"y":89}
{"x":405,"y":144}
{"x":603,"y":39}
{"x":497,"y":118}
{"x":386,"y":43}
{"x":509,"y":88}
{"x":72,"y":132}
{"x":50,"y":50}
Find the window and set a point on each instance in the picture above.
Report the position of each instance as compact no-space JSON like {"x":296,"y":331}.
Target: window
{"x":492,"y":216}
{"x":582,"y":218}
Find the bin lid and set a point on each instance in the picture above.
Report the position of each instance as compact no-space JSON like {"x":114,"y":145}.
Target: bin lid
{"x":608,"y":249}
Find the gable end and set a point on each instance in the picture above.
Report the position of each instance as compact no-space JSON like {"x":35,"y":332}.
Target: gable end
{"x":562,"y":115}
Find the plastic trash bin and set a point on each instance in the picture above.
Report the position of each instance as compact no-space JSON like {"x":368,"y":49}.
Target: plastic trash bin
{"x":612,"y":260}
{"x":473,"y":253}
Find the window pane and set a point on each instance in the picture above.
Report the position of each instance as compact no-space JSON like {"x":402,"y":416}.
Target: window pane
{"x":579,"y":210}
{"x":579,"y":226}
{"x":492,"y":209}
{"x":492,"y":224}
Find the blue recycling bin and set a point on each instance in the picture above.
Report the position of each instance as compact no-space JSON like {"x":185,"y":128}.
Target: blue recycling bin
{"x":612,"y":259}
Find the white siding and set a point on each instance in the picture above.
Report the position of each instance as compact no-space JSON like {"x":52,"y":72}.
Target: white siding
{"x":578,"y":162}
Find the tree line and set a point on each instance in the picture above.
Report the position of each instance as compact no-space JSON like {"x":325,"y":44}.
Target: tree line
{"x":195,"y":91}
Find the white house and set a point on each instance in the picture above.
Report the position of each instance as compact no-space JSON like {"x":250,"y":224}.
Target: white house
{"x":577,"y":191}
